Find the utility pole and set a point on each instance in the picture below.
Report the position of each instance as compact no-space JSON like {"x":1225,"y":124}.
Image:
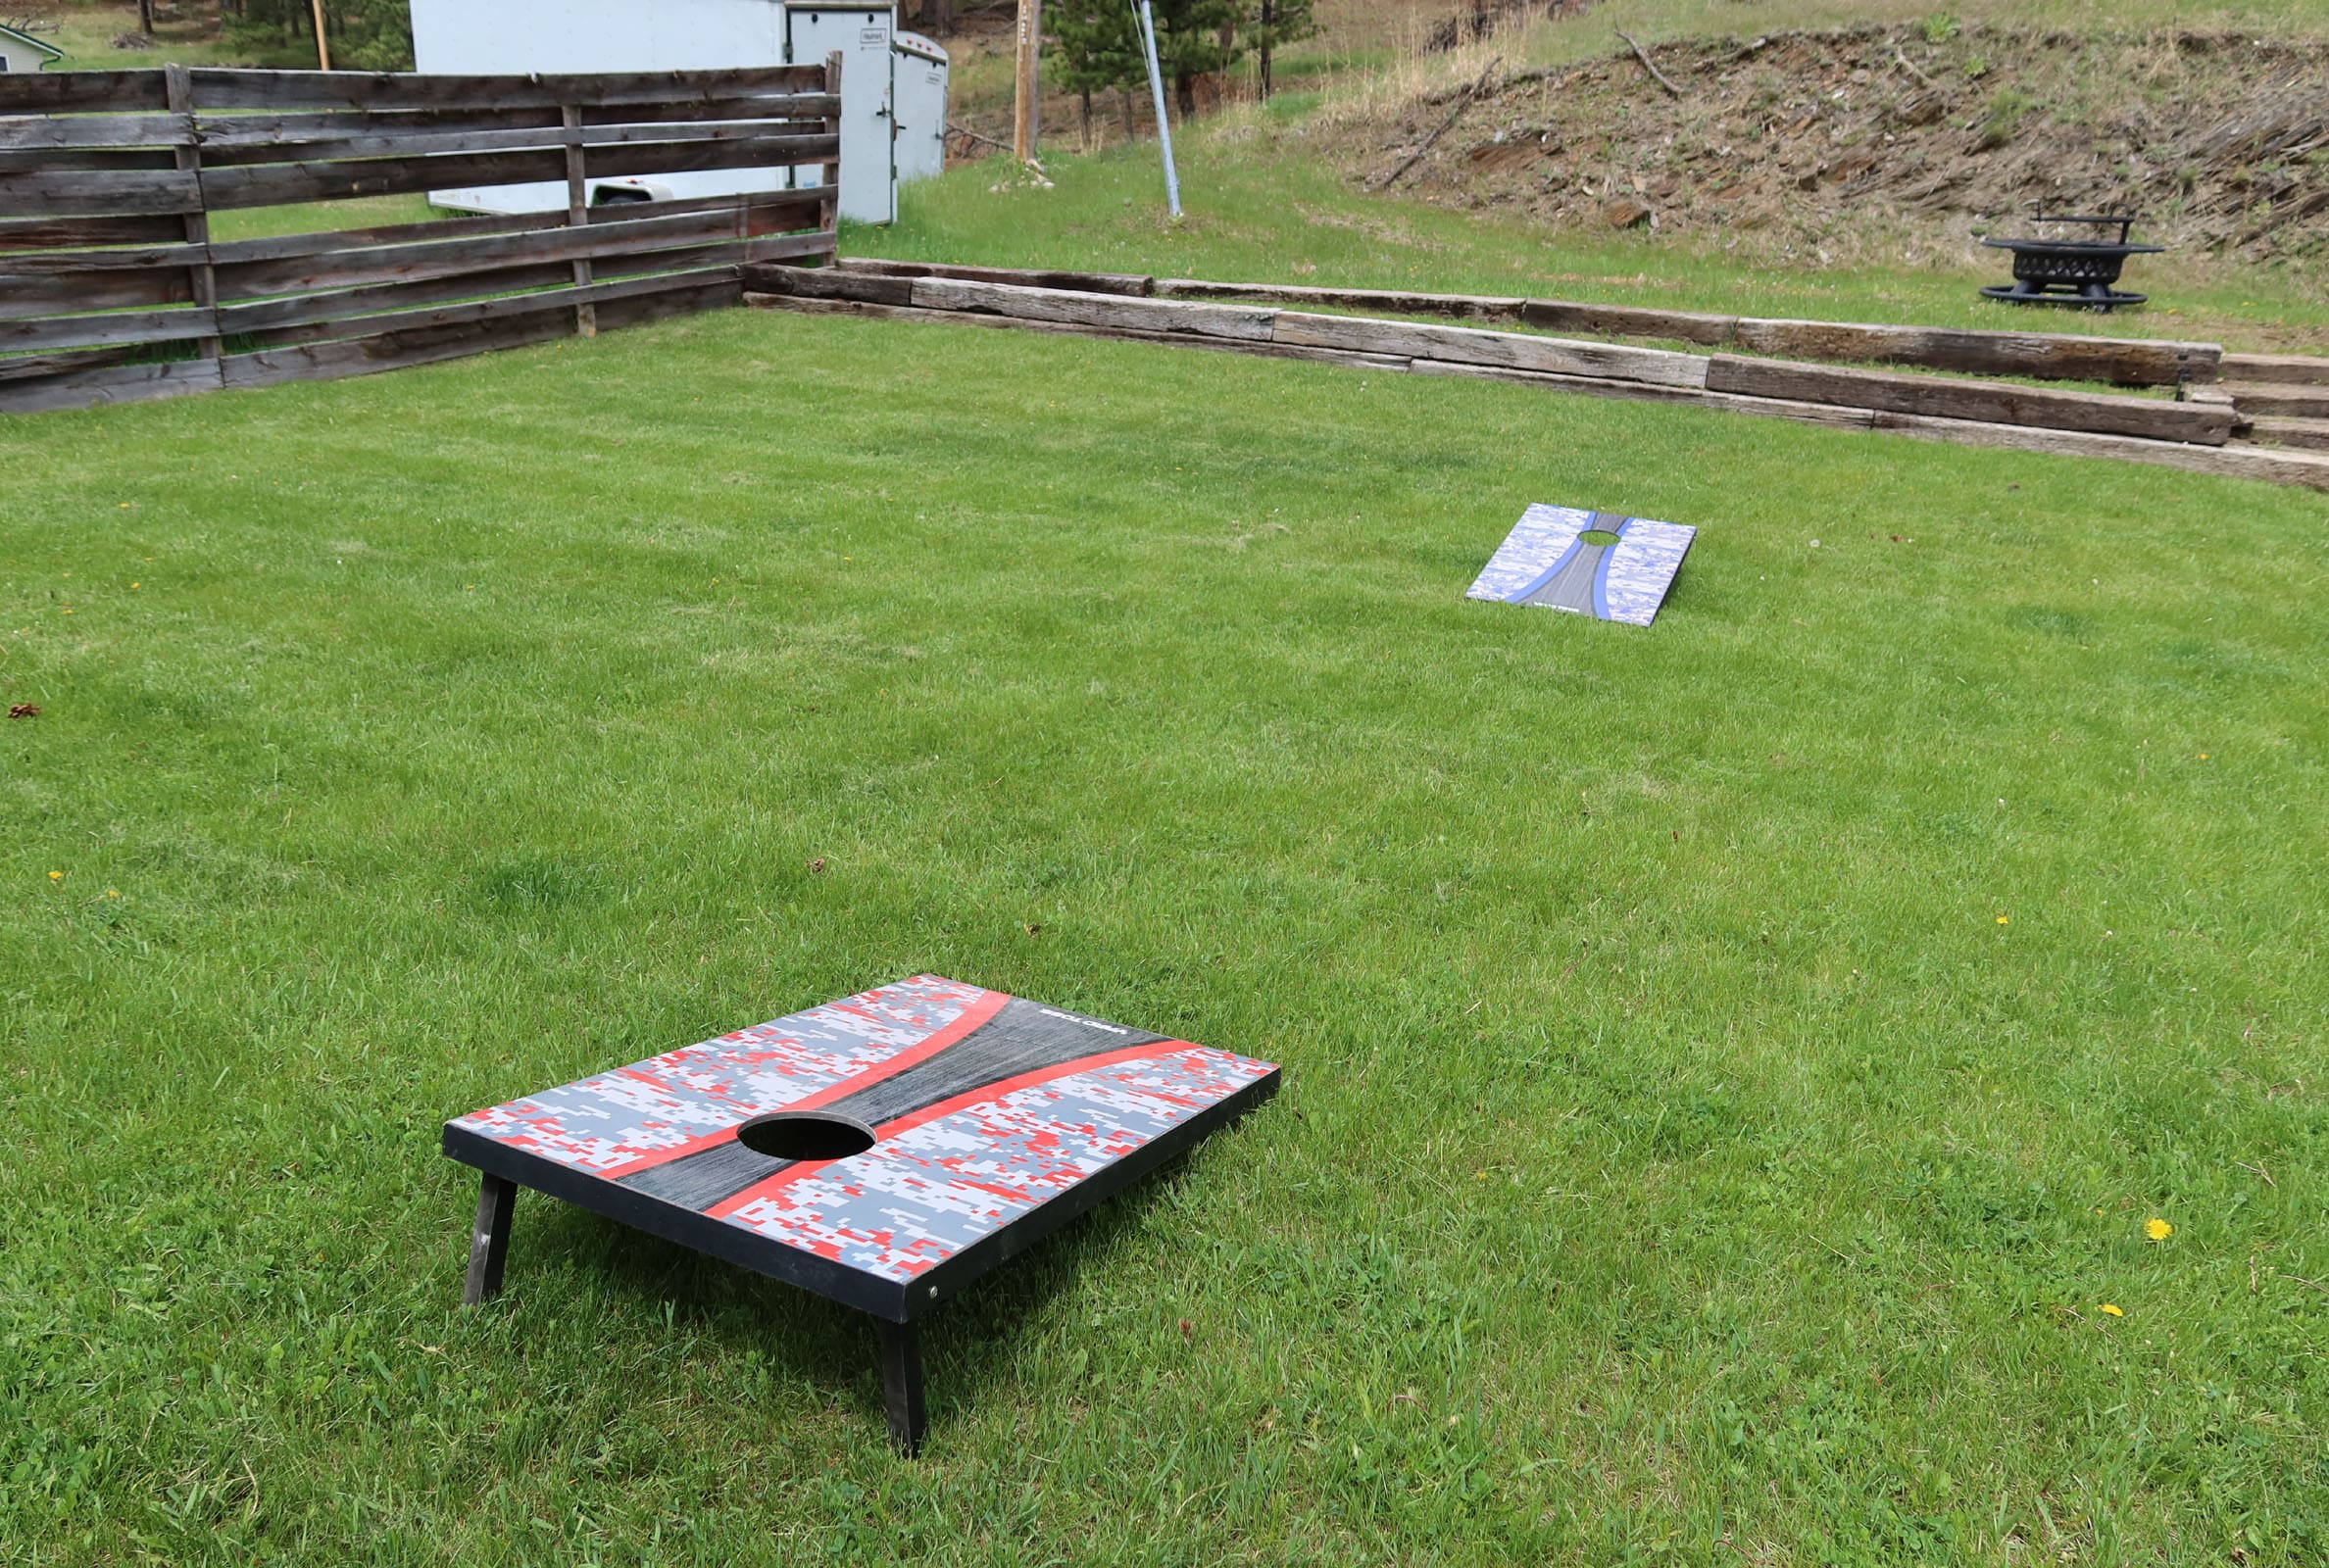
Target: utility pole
{"x":1027,"y":121}
{"x":323,"y":49}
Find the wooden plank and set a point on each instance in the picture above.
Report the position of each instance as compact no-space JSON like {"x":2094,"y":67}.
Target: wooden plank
{"x":282,"y":129}
{"x":321,"y":241}
{"x":53,"y":293}
{"x":2296,"y":369}
{"x":800,"y":206}
{"x":578,"y":210}
{"x":426,"y":258}
{"x":403,"y":347}
{"x":64,"y":92}
{"x":830,"y":283}
{"x":1645,"y":392}
{"x":1988,"y":402}
{"x":636,"y":309}
{"x":282,"y":184}
{"x":430,"y":143}
{"x":98,"y":193}
{"x":43,"y":263}
{"x":118,"y":384}
{"x":1520,"y":351}
{"x":2310,"y":469}
{"x":765,"y":211}
{"x":284,"y":313}
{"x":40,"y":160}
{"x":392,"y":351}
{"x":356,"y":89}
{"x":2289,"y":400}
{"x":342,"y":309}
{"x":809,"y":106}
{"x":2122,"y":362}
{"x":19,"y":367}
{"x":2261,"y":464}
{"x":1467,"y":307}
{"x":43,"y":234}
{"x":275,"y":129}
{"x":828,"y":179}
{"x":202,"y":277}
{"x":1027,"y":277}
{"x":48,"y":333}
{"x":1096,"y":309}
{"x":323,"y":323}
{"x":759,"y":250}
{"x":1630,"y":321}
{"x":1178,"y":340}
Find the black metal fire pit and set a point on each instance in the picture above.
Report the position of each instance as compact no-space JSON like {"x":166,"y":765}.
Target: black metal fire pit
{"x":2076,"y":272}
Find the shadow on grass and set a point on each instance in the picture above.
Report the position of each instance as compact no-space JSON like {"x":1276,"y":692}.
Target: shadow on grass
{"x":967,"y":1347}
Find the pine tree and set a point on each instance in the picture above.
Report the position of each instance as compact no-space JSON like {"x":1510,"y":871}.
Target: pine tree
{"x":1096,"y":44}
{"x":1196,"y":39}
{"x":1276,"y":24}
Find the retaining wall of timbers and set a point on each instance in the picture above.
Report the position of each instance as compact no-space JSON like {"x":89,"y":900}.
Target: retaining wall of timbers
{"x":2185,"y":433}
{"x":111,"y":288}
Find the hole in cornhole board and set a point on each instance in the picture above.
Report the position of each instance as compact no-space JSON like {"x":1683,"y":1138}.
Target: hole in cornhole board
{"x":805,"y":1135}
{"x":1600,"y":563}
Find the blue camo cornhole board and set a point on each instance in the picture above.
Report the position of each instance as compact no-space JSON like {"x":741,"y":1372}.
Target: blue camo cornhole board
{"x":1545,"y":560}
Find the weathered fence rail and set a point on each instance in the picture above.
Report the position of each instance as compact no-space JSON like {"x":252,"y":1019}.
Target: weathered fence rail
{"x":2189,"y":434}
{"x":111,"y":288}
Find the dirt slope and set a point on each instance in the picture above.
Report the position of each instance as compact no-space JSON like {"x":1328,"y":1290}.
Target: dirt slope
{"x":1820,"y":145}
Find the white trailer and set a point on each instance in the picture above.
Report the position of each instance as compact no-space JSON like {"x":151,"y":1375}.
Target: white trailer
{"x":518,"y":38}
{"x":920,"y":74}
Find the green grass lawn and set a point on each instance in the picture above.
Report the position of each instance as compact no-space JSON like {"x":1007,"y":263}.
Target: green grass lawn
{"x":1729,"y":1066}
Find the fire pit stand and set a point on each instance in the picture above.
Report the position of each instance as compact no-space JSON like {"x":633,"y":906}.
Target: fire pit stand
{"x":2074,"y":272}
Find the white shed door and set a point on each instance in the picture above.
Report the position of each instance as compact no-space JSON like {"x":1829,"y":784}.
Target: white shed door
{"x":862,"y":34}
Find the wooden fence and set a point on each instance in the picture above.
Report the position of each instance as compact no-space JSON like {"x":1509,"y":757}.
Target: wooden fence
{"x":111,"y":287}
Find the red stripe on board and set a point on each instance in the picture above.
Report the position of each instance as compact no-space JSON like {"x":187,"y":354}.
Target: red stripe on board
{"x":989,"y":1004}
{"x":981,"y":1009}
{"x":946,"y":1107}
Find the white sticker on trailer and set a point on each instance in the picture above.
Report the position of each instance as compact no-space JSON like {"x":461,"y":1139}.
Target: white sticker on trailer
{"x":873,"y":37}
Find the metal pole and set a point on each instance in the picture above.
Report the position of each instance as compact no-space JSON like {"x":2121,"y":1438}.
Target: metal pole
{"x":1147,"y":39}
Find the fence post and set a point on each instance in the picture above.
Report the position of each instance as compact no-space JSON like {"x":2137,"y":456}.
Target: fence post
{"x":829,"y":213}
{"x":578,"y":210}
{"x":177,"y":87}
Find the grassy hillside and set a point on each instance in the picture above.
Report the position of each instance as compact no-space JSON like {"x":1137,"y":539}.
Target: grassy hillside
{"x":1267,"y":201}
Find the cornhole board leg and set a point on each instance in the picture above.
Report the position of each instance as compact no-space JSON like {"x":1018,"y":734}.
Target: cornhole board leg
{"x":902,"y":1384}
{"x":489,"y":1239}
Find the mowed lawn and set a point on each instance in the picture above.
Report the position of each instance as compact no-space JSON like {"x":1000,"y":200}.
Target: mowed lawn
{"x":1729,"y":1068}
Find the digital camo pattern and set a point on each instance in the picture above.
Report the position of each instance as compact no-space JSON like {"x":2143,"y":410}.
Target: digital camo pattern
{"x":1544,"y":561}
{"x":917,"y":1199}
{"x":602,"y":1123}
{"x":985,"y":1107}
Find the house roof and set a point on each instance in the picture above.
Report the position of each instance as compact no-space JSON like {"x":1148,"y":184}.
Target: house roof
{"x":11,"y":35}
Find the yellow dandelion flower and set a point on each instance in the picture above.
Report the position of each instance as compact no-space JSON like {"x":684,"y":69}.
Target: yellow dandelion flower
{"x":2203,"y":756}
{"x":2004,"y":919}
{"x":113,"y":893}
{"x":2113,"y":1310}
{"x":137,"y":585}
{"x":55,"y":876}
{"x":2158,"y":1229}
